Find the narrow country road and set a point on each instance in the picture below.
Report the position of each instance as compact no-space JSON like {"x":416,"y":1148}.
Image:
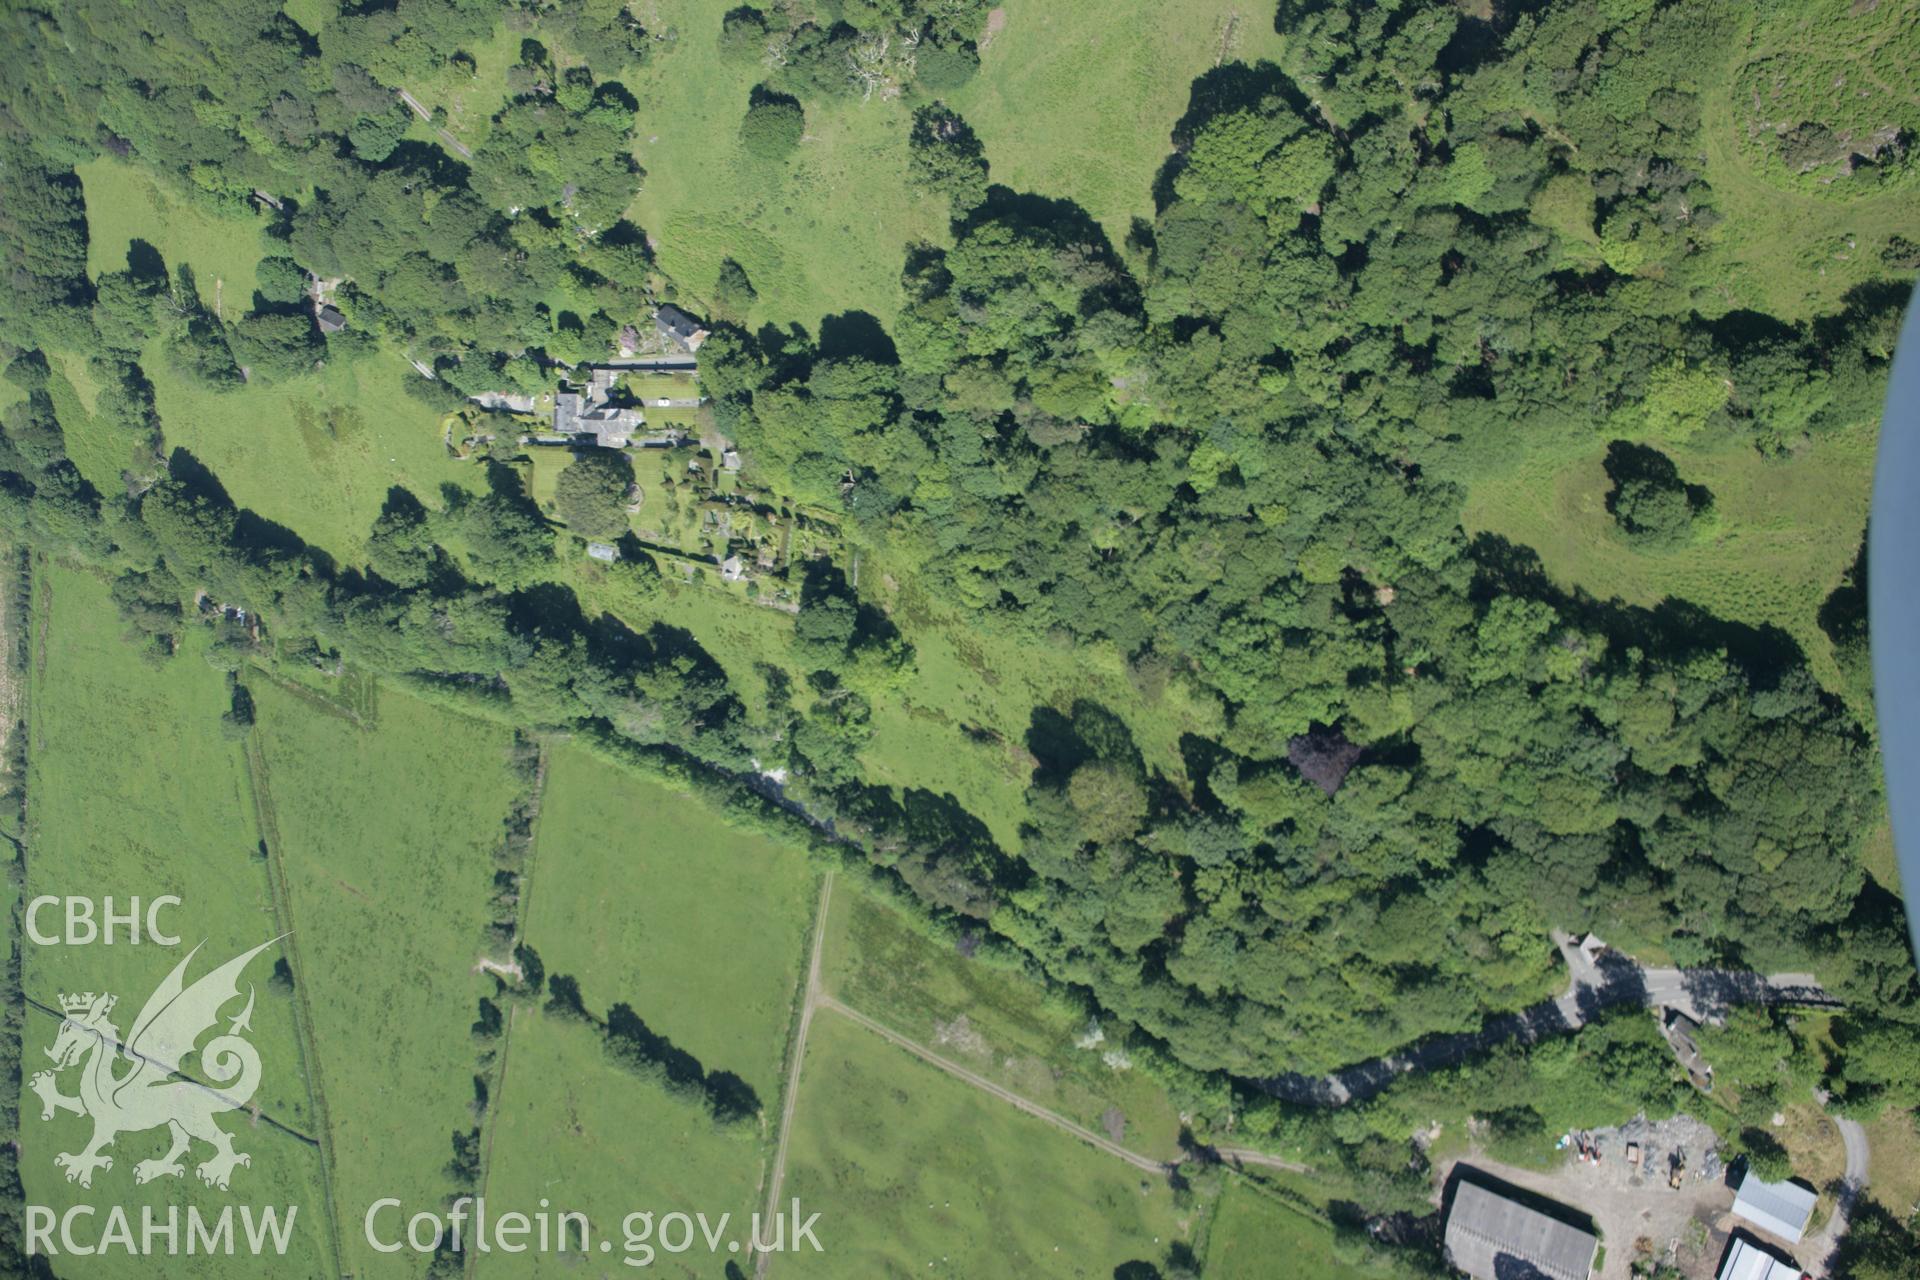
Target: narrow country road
{"x":1597,"y":983}
{"x":1853,"y":1183}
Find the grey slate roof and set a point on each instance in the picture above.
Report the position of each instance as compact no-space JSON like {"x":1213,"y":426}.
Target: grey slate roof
{"x":1493,"y":1238}
{"x":1781,"y":1208}
{"x":678,"y":327}
{"x":588,"y":414}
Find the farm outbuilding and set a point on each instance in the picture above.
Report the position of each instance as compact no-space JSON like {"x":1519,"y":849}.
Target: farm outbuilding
{"x":1746,"y":1260}
{"x":1778,"y":1208}
{"x":1491,"y":1236}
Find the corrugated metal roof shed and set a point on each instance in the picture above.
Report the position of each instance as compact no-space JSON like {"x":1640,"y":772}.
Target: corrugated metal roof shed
{"x":1747,"y":1261}
{"x":1489,"y":1235}
{"x":1781,"y":1208}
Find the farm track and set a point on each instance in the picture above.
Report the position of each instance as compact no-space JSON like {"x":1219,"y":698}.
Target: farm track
{"x":1594,"y":985}
{"x":1853,"y":1136}
{"x":466,"y":152}
{"x":1008,"y":1096}
{"x":817,"y":999}
{"x":809,"y":1003}
{"x":309,"y":697}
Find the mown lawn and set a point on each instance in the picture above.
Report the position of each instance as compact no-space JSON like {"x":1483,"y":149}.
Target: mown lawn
{"x":645,"y":896}
{"x":994,"y":1021}
{"x":387,"y":834}
{"x":917,"y":1173}
{"x":133,"y":791}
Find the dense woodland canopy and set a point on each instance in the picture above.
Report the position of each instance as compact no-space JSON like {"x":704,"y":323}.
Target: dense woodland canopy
{"x":1235,"y":454}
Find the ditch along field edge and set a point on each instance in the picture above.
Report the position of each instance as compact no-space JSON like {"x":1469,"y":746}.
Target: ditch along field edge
{"x":259,"y":787}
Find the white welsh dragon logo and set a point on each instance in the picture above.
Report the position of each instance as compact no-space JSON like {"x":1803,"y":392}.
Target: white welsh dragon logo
{"x":153,"y":1092}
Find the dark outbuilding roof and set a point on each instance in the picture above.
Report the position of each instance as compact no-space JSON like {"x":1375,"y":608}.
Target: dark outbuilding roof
{"x":1491,"y":1237}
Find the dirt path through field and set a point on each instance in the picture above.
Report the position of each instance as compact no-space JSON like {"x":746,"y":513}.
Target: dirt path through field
{"x":1008,"y":1096}
{"x":809,"y":1002}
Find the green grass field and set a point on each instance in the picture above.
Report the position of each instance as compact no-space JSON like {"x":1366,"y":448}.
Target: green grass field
{"x":133,"y":791}
{"x":1080,"y":101}
{"x":97,"y":448}
{"x":1784,"y":533}
{"x":573,"y":1129}
{"x":1793,"y":245}
{"x":1254,"y":1227}
{"x":125,"y":204}
{"x":993,"y":1021}
{"x":822,"y":233}
{"x":386,"y":835}
{"x":916,"y":1173}
{"x":1842,"y":67}
{"x":1894,"y":1136}
{"x":645,"y":896}
{"x":315,"y":453}
{"x":1073,"y":102}
{"x":989,"y":678}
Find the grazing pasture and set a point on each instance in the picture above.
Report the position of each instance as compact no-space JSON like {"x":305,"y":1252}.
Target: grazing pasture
{"x":384,"y":833}
{"x":133,"y":791}
{"x":918,"y":1173}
